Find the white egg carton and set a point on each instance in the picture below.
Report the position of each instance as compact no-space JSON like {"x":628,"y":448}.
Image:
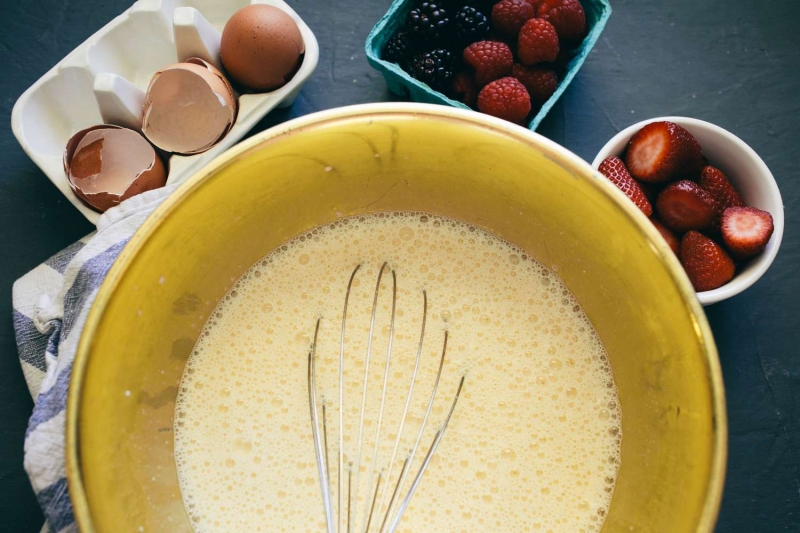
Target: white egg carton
{"x":104,"y":81}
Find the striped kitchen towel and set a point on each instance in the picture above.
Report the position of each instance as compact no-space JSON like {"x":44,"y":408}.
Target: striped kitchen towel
{"x":50,"y":307}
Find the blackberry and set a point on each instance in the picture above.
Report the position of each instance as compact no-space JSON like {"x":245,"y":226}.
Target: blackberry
{"x":471,"y":26}
{"x":428,"y":24}
{"x":398,"y":49}
{"x":434,"y":68}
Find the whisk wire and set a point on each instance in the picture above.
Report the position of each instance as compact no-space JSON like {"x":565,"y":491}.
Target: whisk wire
{"x":374,"y":499}
{"x":372,"y":505}
{"x":366,"y":385}
{"x":418,"y":478}
{"x":408,"y":400}
{"x":404,"y":472}
{"x":312,"y":399}
{"x":341,"y":408}
{"x":376,"y":450}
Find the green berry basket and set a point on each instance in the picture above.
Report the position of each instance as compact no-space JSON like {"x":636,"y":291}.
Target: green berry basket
{"x":401,"y":83}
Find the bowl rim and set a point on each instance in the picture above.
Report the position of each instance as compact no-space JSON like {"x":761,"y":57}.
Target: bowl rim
{"x":766,"y":181}
{"x":368,"y":112}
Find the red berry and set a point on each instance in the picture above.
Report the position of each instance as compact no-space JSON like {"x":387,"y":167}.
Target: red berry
{"x":662,"y":151}
{"x":541,"y":82}
{"x":705,"y":262}
{"x":672,"y":240}
{"x":567,"y":17}
{"x":614,"y":169}
{"x":538,"y":42}
{"x":490,"y":59}
{"x":505,"y":98}
{"x":508,"y":16}
{"x":746,"y":230}
{"x":464,"y":88}
{"x":684,"y":206}
{"x":714,"y":181}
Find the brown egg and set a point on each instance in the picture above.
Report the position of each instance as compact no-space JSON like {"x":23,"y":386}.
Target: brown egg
{"x":261,"y":47}
{"x":107,"y":164}
{"x":189,"y":107}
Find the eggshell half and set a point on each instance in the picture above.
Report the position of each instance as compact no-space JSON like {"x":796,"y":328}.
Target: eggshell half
{"x":189,"y":107}
{"x":108,"y":164}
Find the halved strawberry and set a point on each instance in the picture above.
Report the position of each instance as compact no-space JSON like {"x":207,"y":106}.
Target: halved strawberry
{"x":672,"y":240}
{"x":684,"y":206}
{"x":716,"y":183}
{"x":614,"y":169}
{"x":662,"y":151}
{"x":705,"y":262}
{"x":746,"y":230}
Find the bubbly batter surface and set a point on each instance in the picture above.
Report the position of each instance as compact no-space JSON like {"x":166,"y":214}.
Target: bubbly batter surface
{"x":533,"y":445}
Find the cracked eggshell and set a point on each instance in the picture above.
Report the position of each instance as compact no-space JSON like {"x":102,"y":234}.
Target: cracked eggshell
{"x":108,"y":164}
{"x":189,"y":107}
{"x":261,"y":47}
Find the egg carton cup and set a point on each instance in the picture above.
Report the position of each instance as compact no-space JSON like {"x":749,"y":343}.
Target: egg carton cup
{"x":401,"y":83}
{"x":104,"y":80}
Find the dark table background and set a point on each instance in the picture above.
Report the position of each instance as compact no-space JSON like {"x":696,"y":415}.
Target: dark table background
{"x":735,"y":63}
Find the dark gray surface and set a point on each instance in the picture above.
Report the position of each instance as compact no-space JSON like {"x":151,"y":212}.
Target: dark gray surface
{"x":733,"y":63}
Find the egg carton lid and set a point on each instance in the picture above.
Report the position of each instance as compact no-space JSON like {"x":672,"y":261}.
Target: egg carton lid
{"x":104,"y":80}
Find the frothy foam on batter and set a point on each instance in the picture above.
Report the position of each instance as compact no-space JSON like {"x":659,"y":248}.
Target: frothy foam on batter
{"x":534,"y":443}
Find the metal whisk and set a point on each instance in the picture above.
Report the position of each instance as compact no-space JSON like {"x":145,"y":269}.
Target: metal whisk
{"x":399,"y":500}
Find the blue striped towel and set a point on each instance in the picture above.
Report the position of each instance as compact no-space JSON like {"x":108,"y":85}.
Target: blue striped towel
{"x":51,"y":303}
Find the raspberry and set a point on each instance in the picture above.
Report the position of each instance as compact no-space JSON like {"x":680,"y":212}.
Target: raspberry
{"x":434,"y":68}
{"x":505,"y":98}
{"x":567,"y":17}
{"x":541,"y":82}
{"x":471,"y":25}
{"x":536,"y":4}
{"x":490,"y":59}
{"x":538,"y":42}
{"x":428,"y":23}
{"x":508,"y":16}
{"x":464,"y":88}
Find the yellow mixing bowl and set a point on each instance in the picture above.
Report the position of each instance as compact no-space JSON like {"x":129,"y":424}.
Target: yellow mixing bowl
{"x":362,"y":159}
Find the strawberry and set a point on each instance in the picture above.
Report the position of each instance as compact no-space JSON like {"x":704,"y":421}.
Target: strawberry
{"x":746,"y":230}
{"x":537,"y":42}
{"x":714,"y":181}
{"x":684,"y":206}
{"x":508,"y":16}
{"x":490,"y":59}
{"x":614,"y":169}
{"x":662,"y":151}
{"x":672,"y":240}
{"x":705,"y":262}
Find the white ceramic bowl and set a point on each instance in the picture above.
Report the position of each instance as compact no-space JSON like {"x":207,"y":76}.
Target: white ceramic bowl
{"x":746,"y":171}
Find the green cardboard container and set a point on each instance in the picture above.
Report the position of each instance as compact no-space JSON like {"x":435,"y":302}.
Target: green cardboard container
{"x":401,"y":83}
